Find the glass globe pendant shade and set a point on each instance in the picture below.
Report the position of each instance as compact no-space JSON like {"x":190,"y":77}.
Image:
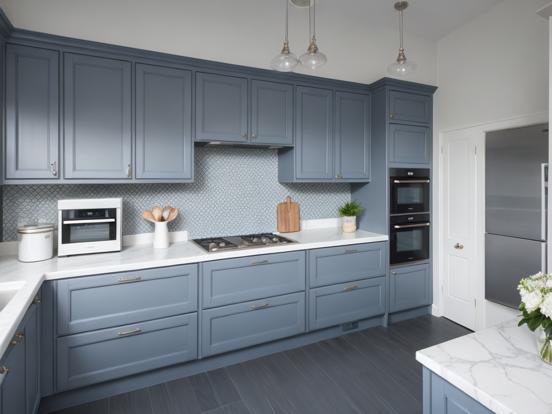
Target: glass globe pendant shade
{"x":402,"y":66}
{"x":285,"y":61}
{"x":313,"y":58}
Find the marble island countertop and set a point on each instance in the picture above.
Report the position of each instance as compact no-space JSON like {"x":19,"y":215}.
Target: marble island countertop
{"x":499,"y":367}
{"x":28,"y":277}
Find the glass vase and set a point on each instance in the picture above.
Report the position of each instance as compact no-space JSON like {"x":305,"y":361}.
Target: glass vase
{"x":544,"y":345}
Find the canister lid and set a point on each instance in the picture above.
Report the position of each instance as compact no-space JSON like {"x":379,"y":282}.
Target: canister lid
{"x":35,"y":228}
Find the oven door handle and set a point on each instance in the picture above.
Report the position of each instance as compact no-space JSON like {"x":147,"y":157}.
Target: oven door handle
{"x":411,"y":181}
{"x":91,"y":221}
{"x":410,"y":226}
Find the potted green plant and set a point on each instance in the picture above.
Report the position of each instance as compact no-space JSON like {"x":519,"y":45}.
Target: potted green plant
{"x":349,"y":212}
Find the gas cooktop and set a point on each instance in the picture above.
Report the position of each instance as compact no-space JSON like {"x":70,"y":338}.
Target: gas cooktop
{"x":215,"y":244}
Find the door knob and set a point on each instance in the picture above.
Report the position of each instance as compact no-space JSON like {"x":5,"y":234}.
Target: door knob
{"x":458,"y":246}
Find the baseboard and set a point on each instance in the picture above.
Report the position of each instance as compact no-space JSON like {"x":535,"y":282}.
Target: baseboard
{"x":107,"y":389}
{"x":409,"y":314}
{"x":435,"y":311}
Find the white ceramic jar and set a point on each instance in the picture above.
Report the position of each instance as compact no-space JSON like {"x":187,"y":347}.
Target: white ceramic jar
{"x":36,"y":242}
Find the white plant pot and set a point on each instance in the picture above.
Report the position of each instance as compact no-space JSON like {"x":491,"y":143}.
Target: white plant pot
{"x":348,"y":224}
{"x":161,"y":235}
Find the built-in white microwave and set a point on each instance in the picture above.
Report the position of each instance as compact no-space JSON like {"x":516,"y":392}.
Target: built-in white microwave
{"x":89,"y":226}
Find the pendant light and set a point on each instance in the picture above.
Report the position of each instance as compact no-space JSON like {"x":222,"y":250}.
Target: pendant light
{"x":313,"y":58}
{"x":285,"y":61}
{"x":401,"y":66}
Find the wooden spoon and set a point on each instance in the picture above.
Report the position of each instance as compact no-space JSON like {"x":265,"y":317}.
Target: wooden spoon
{"x":166,"y":212}
{"x":149,"y":216}
{"x":157,"y":213}
{"x":172,"y":214}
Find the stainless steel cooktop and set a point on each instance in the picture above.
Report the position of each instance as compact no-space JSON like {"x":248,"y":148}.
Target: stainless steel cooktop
{"x":215,"y":244}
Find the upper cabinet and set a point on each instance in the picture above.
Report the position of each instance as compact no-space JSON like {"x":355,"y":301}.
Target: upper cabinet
{"x":237,"y":110}
{"x":32,"y":113}
{"x":409,"y":144}
{"x":97,"y":121}
{"x":410,"y":108}
{"x":164,"y":148}
{"x":332,"y":138}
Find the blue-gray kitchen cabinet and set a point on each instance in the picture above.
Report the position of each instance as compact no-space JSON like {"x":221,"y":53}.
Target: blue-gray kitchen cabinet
{"x":164,"y":146}
{"x":409,"y":145}
{"x":250,"y":323}
{"x":409,"y":287}
{"x":97,"y":118}
{"x":352,"y":136}
{"x":221,"y":108}
{"x":32,"y":113}
{"x":441,"y":397}
{"x":13,"y":387}
{"x":346,"y":302}
{"x":333,"y":265}
{"x":102,"y":355}
{"x":410,"y":108}
{"x":32,"y":358}
{"x":103,"y":301}
{"x":250,"y":278}
{"x":271,"y":113}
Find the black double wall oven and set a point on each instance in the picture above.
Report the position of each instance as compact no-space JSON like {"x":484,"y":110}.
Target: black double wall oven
{"x":410,"y":225}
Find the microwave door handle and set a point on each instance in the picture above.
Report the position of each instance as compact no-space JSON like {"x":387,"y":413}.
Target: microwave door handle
{"x":411,"y":181}
{"x":544,"y":201}
{"x":410,"y":226}
{"x":92,"y":221}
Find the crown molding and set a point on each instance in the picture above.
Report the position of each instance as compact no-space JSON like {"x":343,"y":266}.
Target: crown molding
{"x":6,"y":27}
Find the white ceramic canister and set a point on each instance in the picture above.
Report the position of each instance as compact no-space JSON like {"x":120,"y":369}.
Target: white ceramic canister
{"x":161,"y":235}
{"x":36,"y":242}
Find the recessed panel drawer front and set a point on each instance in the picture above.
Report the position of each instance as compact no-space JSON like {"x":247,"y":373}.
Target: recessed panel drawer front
{"x":410,"y":287}
{"x":93,"y":357}
{"x":249,"y":278}
{"x":346,"y":302}
{"x":343,"y":264}
{"x":238,"y":326}
{"x":103,"y":301}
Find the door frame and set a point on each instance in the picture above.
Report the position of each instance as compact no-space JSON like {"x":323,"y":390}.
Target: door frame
{"x":478,"y":131}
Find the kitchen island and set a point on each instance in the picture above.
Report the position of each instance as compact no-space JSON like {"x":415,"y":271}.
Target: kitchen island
{"x":493,"y":370}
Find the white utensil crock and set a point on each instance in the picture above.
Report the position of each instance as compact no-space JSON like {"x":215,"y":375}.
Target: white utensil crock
{"x":161,"y":235}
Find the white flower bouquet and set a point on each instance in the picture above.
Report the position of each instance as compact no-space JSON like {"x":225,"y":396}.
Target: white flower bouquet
{"x":536,"y":309}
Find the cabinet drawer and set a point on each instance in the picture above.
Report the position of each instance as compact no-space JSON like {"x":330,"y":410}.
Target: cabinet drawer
{"x":346,"y":302}
{"x":343,"y":264}
{"x":409,"y":107}
{"x":250,"y":278}
{"x":410,"y":287}
{"x":93,"y":357}
{"x":102,"y":301}
{"x":245,"y":324}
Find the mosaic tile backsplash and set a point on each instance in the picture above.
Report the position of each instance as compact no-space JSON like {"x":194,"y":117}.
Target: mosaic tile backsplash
{"x":235,"y":192}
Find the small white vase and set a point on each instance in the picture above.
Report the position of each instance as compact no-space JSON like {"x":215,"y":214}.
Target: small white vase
{"x":348,"y":224}
{"x":161,"y":235}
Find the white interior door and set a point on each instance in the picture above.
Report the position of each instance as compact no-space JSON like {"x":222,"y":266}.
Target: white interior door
{"x":459,"y":219}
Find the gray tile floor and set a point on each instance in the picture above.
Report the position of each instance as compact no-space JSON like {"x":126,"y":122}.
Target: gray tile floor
{"x":373,"y":371}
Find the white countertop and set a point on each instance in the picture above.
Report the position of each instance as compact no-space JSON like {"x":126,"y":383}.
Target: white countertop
{"x":499,"y":367}
{"x":31,"y":275}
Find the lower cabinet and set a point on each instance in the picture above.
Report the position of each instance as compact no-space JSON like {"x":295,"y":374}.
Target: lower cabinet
{"x":346,"y":302}
{"x":238,"y":326}
{"x":19,"y":392}
{"x":106,"y":354}
{"x":409,"y":287}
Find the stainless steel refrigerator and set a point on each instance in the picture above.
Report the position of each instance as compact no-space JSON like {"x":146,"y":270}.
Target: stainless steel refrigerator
{"x":516,"y":187}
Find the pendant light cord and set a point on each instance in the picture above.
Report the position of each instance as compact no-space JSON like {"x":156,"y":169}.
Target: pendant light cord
{"x":287,"y":21}
{"x":401,"y":29}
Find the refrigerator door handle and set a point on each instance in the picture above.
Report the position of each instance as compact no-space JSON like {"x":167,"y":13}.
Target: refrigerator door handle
{"x":544,"y":201}
{"x":544,"y":261}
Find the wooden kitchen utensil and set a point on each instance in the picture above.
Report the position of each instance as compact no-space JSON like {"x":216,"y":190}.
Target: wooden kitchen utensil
{"x":148,"y":216}
{"x":157,"y":213}
{"x":288,"y":216}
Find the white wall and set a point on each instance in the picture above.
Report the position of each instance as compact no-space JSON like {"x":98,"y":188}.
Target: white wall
{"x":247,"y":32}
{"x":491,"y":69}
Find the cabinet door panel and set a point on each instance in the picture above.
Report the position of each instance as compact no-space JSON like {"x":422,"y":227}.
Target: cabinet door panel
{"x":97,"y":117}
{"x":352,"y":135}
{"x":409,"y":107}
{"x":164,"y":147}
{"x":32,"y":113}
{"x":314,"y":134}
{"x":409,"y":145}
{"x":32,"y":359}
{"x":221,"y":108}
{"x":410,"y":287}
{"x":13,"y":386}
{"x":271,"y":113}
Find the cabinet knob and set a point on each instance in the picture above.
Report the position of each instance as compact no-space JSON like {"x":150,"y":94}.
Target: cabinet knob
{"x":391,"y":115}
{"x":253,"y":136}
{"x":4,"y":370}
{"x":244,"y":135}
{"x":339,"y":176}
{"x":53,"y":168}
{"x":458,"y":246}
{"x":18,"y":338}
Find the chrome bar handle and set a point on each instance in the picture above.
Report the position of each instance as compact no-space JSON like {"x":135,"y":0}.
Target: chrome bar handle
{"x":351,"y":251}
{"x":544,"y":201}
{"x":410,"y":226}
{"x":411,"y":181}
{"x":259,"y":307}
{"x":91,"y":221}
{"x":53,"y":168}
{"x":129,"y":171}
{"x":131,"y":332}
{"x":260,"y":262}
{"x":350,"y":288}
{"x":129,"y":279}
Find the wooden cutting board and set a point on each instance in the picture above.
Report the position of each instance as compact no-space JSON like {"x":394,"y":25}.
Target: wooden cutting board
{"x":288,"y":216}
